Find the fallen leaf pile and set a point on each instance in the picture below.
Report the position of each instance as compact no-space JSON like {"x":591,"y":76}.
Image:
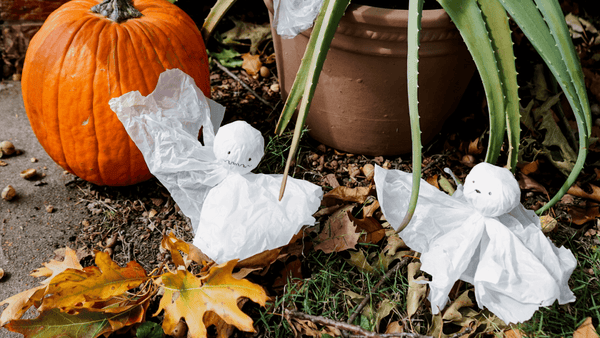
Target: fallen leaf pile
{"x":76,"y":301}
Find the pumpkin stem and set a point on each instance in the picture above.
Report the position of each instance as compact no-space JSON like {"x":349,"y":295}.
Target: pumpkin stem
{"x":117,"y":10}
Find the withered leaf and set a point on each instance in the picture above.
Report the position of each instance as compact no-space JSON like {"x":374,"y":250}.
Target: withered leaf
{"x":174,"y":245}
{"x":189,"y":297}
{"x":345,"y":194}
{"x":339,"y":232}
{"x":580,"y":216}
{"x":53,"y":268}
{"x":452,"y":312}
{"x":586,"y":330}
{"x":85,"y":324}
{"x":576,"y":190}
{"x":251,"y":63}
{"x":20,"y":303}
{"x":370,"y":229}
{"x":416,"y":291}
{"x":82,"y":288}
{"x":528,"y":183}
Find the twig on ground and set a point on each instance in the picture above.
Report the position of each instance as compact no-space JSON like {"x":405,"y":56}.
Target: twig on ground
{"x":357,"y":330}
{"x":388,"y":274}
{"x":228,"y":72}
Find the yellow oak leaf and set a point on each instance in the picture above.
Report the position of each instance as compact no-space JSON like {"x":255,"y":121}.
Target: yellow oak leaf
{"x":189,"y":297}
{"x":174,"y":245}
{"x":21,"y":302}
{"x":53,"y":268}
{"x":82,"y":288}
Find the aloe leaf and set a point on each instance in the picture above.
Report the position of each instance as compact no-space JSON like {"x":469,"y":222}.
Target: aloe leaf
{"x":415,"y":11}
{"x":546,"y":30}
{"x":217,"y":12}
{"x":468,"y":18}
{"x":307,"y":78}
{"x":499,"y":31}
{"x":313,"y":59}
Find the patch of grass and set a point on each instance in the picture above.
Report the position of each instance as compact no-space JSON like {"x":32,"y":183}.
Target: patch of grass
{"x":332,"y":289}
{"x":563,"y":320}
{"x":276,"y":152}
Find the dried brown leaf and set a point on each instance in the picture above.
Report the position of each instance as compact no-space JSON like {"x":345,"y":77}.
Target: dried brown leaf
{"x":586,"y":330}
{"x":251,"y":64}
{"x":345,"y":194}
{"x":576,"y":190}
{"x":339,"y":232}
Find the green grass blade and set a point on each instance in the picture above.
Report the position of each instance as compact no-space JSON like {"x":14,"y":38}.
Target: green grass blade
{"x":497,"y":22}
{"x":549,"y":36}
{"x":469,"y":20}
{"x":415,"y":10}
{"x":217,"y":12}
{"x":308,"y":75}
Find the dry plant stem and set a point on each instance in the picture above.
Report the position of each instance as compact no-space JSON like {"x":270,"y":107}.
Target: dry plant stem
{"x":355,"y":329}
{"x":223,"y":68}
{"x":388,"y":274}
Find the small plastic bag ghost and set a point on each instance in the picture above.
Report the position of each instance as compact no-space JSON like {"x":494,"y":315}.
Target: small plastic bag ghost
{"x":292,"y":17}
{"x":482,"y":235}
{"x":235,"y":213}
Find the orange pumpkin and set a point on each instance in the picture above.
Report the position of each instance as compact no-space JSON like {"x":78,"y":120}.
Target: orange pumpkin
{"x":79,"y":60}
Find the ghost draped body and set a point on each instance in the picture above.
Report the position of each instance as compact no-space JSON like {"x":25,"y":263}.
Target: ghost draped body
{"x":235,"y":213}
{"x":484,"y":236}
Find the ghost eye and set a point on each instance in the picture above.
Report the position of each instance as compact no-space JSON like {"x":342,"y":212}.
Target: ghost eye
{"x":250,"y":159}
{"x":490,"y":193}
{"x":473,"y":181}
{"x":229,"y":152}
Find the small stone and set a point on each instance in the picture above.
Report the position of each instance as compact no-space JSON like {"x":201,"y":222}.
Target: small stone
{"x":28,"y":173}
{"x":7,"y":147}
{"x":9,"y":193}
{"x":33,"y":160}
{"x":1,"y":273}
{"x":85,"y":223}
{"x":369,"y":171}
{"x":264,"y":71}
{"x":2,"y":163}
{"x":49,"y":209}
{"x":275,"y":87}
{"x":386,"y":164}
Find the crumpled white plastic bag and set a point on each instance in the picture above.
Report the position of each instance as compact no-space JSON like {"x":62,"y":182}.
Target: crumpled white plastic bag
{"x":292,"y":17}
{"x":235,"y":213}
{"x":482,"y":235}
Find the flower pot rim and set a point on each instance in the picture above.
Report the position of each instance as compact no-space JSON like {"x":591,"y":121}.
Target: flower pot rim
{"x":432,"y":18}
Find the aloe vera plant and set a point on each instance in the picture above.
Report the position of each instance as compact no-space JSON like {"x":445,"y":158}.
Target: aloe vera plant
{"x":483,"y":24}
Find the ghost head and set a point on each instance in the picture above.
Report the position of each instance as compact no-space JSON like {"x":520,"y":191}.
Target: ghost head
{"x":492,"y":190}
{"x":239,"y":147}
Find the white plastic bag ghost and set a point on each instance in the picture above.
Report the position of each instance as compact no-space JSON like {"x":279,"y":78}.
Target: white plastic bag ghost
{"x":292,"y":17}
{"x":235,"y":213}
{"x":482,"y":235}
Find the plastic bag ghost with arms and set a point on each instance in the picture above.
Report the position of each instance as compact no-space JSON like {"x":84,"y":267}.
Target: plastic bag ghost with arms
{"x":484,"y":236}
{"x":233,"y":211}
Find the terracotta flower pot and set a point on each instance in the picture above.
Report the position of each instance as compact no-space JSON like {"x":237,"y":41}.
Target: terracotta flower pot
{"x":361,"y":102}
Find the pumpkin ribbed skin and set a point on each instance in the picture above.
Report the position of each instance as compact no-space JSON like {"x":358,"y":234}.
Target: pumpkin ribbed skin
{"x":79,"y":60}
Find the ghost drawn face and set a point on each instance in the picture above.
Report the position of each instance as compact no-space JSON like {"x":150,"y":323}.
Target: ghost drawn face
{"x":239,"y":147}
{"x":492,"y":190}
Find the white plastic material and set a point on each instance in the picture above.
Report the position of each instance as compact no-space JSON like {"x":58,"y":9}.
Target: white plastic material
{"x":294,"y":16}
{"x":482,"y":235}
{"x":235,"y":213}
